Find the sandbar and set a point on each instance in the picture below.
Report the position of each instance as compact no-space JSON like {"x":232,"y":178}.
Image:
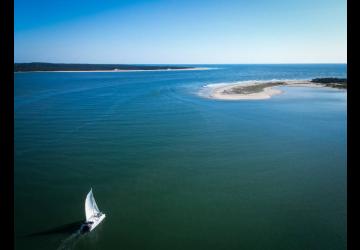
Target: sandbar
{"x":256,"y":90}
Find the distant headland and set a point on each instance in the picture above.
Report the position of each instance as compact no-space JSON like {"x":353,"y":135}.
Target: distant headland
{"x":74,"y":67}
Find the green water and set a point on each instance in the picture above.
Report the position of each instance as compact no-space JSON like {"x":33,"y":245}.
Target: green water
{"x":172,"y":170}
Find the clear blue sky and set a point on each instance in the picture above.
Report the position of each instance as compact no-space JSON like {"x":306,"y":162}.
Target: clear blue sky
{"x":169,"y":31}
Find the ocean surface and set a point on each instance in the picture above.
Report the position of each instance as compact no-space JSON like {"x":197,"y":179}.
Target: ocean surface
{"x":173,"y":170}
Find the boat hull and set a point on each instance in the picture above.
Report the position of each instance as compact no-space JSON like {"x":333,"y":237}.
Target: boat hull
{"x":96,"y":221}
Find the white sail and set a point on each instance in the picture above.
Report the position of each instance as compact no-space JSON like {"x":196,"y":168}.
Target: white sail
{"x":90,"y":206}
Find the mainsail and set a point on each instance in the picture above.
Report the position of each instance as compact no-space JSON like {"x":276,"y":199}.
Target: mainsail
{"x":90,"y":206}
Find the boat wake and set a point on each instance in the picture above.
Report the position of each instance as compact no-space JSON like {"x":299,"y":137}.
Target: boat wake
{"x":70,"y":242}
{"x":72,"y":230}
{"x":69,"y":228}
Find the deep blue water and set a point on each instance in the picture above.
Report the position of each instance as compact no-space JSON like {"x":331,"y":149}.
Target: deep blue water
{"x":173,"y":170}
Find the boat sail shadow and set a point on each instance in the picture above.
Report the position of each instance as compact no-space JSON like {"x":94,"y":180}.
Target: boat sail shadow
{"x":71,"y":230}
{"x":68,"y":228}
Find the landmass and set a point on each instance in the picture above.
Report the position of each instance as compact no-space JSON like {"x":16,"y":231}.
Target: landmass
{"x":72,"y":67}
{"x":340,"y":83}
{"x":264,"y":90}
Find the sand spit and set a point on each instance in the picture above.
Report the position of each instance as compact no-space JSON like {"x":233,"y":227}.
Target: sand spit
{"x":256,"y":90}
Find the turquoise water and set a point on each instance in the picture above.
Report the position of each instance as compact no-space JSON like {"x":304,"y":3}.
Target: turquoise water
{"x":173,"y":170}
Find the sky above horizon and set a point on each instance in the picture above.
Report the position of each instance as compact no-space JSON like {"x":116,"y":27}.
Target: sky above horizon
{"x":181,"y":32}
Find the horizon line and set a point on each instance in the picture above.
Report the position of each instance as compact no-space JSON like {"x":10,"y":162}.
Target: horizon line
{"x":191,"y":63}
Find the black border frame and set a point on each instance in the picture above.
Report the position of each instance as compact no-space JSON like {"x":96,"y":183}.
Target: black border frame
{"x":7,"y":125}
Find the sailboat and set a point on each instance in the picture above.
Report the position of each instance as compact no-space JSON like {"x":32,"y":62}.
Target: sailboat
{"x":92,"y":213}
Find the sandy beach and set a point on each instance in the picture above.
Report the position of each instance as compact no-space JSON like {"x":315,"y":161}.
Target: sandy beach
{"x":256,"y":90}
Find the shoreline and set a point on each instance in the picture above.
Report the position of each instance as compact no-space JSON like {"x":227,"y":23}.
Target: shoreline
{"x":119,"y":70}
{"x":255,"y":90}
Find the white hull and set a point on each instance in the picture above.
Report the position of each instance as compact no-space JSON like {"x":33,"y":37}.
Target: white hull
{"x":96,"y":221}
